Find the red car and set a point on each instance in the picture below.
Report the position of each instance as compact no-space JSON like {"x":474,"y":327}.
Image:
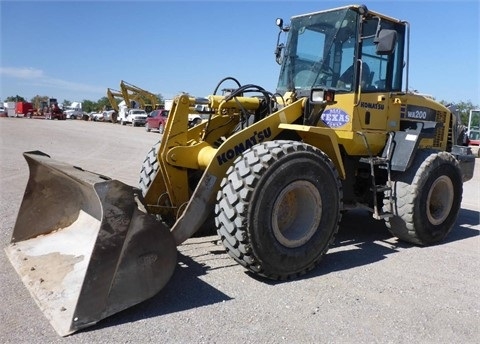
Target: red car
{"x":157,"y":120}
{"x":474,"y":138}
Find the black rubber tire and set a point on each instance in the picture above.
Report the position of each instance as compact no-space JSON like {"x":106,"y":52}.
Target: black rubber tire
{"x":149,"y":169}
{"x":161,"y":128}
{"x":426,"y":198}
{"x":288,"y":176}
{"x":147,"y":127}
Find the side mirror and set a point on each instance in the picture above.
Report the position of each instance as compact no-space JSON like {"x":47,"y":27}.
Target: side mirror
{"x":385,"y":42}
{"x":279,"y":53}
{"x":280,"y":46}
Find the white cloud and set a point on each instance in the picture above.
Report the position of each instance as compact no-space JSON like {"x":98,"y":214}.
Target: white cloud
{"x":67,"y":85}
{"x":37,"y":78}
{"x":21,"y":73}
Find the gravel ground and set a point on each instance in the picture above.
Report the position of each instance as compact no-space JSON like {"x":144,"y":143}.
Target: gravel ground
{"x":369,"y":288}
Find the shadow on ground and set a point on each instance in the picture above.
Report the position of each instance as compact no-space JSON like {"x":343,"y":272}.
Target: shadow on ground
{"x":361,"y":240}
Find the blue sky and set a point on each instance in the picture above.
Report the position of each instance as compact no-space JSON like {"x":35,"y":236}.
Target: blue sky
{"x":75,"y":50}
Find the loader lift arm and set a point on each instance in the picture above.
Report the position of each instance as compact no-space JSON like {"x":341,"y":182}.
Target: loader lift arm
{"x":184,"y":149}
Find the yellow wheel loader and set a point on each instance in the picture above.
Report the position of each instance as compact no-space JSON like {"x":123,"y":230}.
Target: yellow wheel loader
{"x":270,"y":172}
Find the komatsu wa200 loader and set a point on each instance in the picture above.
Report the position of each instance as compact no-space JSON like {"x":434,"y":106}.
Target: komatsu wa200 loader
{"x":271,"y":173}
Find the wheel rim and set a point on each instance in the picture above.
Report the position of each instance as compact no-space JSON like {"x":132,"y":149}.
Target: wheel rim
{"x":296,"y":214}
{"x":440,"y":200}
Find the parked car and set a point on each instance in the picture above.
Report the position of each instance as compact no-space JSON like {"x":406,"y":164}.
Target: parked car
{"x":105,"y":116}
{"x":73,"y":114}
{"x":96,"y":116}
{"x":110,"y":116}
{"x":474,"y":138}
{"x":3,"y":112}
{"x":157,"y":120}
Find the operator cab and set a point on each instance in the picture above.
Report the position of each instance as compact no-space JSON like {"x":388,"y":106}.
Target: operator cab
{"x":347,"y":50}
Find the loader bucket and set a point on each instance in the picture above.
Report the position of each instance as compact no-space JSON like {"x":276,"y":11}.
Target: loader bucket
{"x":83,"y":247}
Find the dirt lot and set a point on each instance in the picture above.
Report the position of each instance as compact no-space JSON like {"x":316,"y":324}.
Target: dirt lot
{"x":369,"y":288}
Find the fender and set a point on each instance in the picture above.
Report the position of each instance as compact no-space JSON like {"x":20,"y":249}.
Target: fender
{"x":199,"y":204}
{"x":324,"y":138}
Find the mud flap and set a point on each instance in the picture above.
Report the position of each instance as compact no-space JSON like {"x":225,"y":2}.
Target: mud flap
{"x":83,"y":247}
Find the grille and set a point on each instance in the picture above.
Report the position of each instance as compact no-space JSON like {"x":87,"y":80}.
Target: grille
{"x":440,"y":131}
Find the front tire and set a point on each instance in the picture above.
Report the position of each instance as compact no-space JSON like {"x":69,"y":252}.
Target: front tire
{"x":426,"y":199}
{"x":278,"y":209}
{"x":161,"y":128}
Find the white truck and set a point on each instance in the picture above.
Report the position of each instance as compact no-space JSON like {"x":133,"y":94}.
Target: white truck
{"x":135,"y":117}
{"x":73,"y":111}
{"x":193,"y":118}
{"x":9,"y":109}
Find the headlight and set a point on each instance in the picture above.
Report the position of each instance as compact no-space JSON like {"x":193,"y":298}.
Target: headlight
{"x":322,"y":96}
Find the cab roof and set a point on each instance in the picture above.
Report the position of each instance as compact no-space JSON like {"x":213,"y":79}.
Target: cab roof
{"x":354,"y":7}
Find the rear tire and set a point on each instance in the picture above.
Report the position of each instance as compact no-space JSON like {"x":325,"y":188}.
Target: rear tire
{"x":426,"y":199}
{"x":150,"y":168}
{"x":278,"y":208}
{"x":149,"y":171}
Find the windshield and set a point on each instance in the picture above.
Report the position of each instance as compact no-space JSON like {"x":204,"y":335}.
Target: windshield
{"x":325,"y":50}
{"x":320,"y":47}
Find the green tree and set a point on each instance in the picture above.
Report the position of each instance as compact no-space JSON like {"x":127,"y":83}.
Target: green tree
{"x":89,"y":106}
{"x":103,"y":104}
{"x":463,"y":108}
{"x":161,"y":100}
{"x":37,"y":100}
{"x":17,"y":98}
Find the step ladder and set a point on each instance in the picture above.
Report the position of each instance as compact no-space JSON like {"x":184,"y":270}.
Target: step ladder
{"x":382,"y":162}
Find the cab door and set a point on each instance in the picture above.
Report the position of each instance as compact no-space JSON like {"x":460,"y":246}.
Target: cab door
{"x":379,"y":78}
